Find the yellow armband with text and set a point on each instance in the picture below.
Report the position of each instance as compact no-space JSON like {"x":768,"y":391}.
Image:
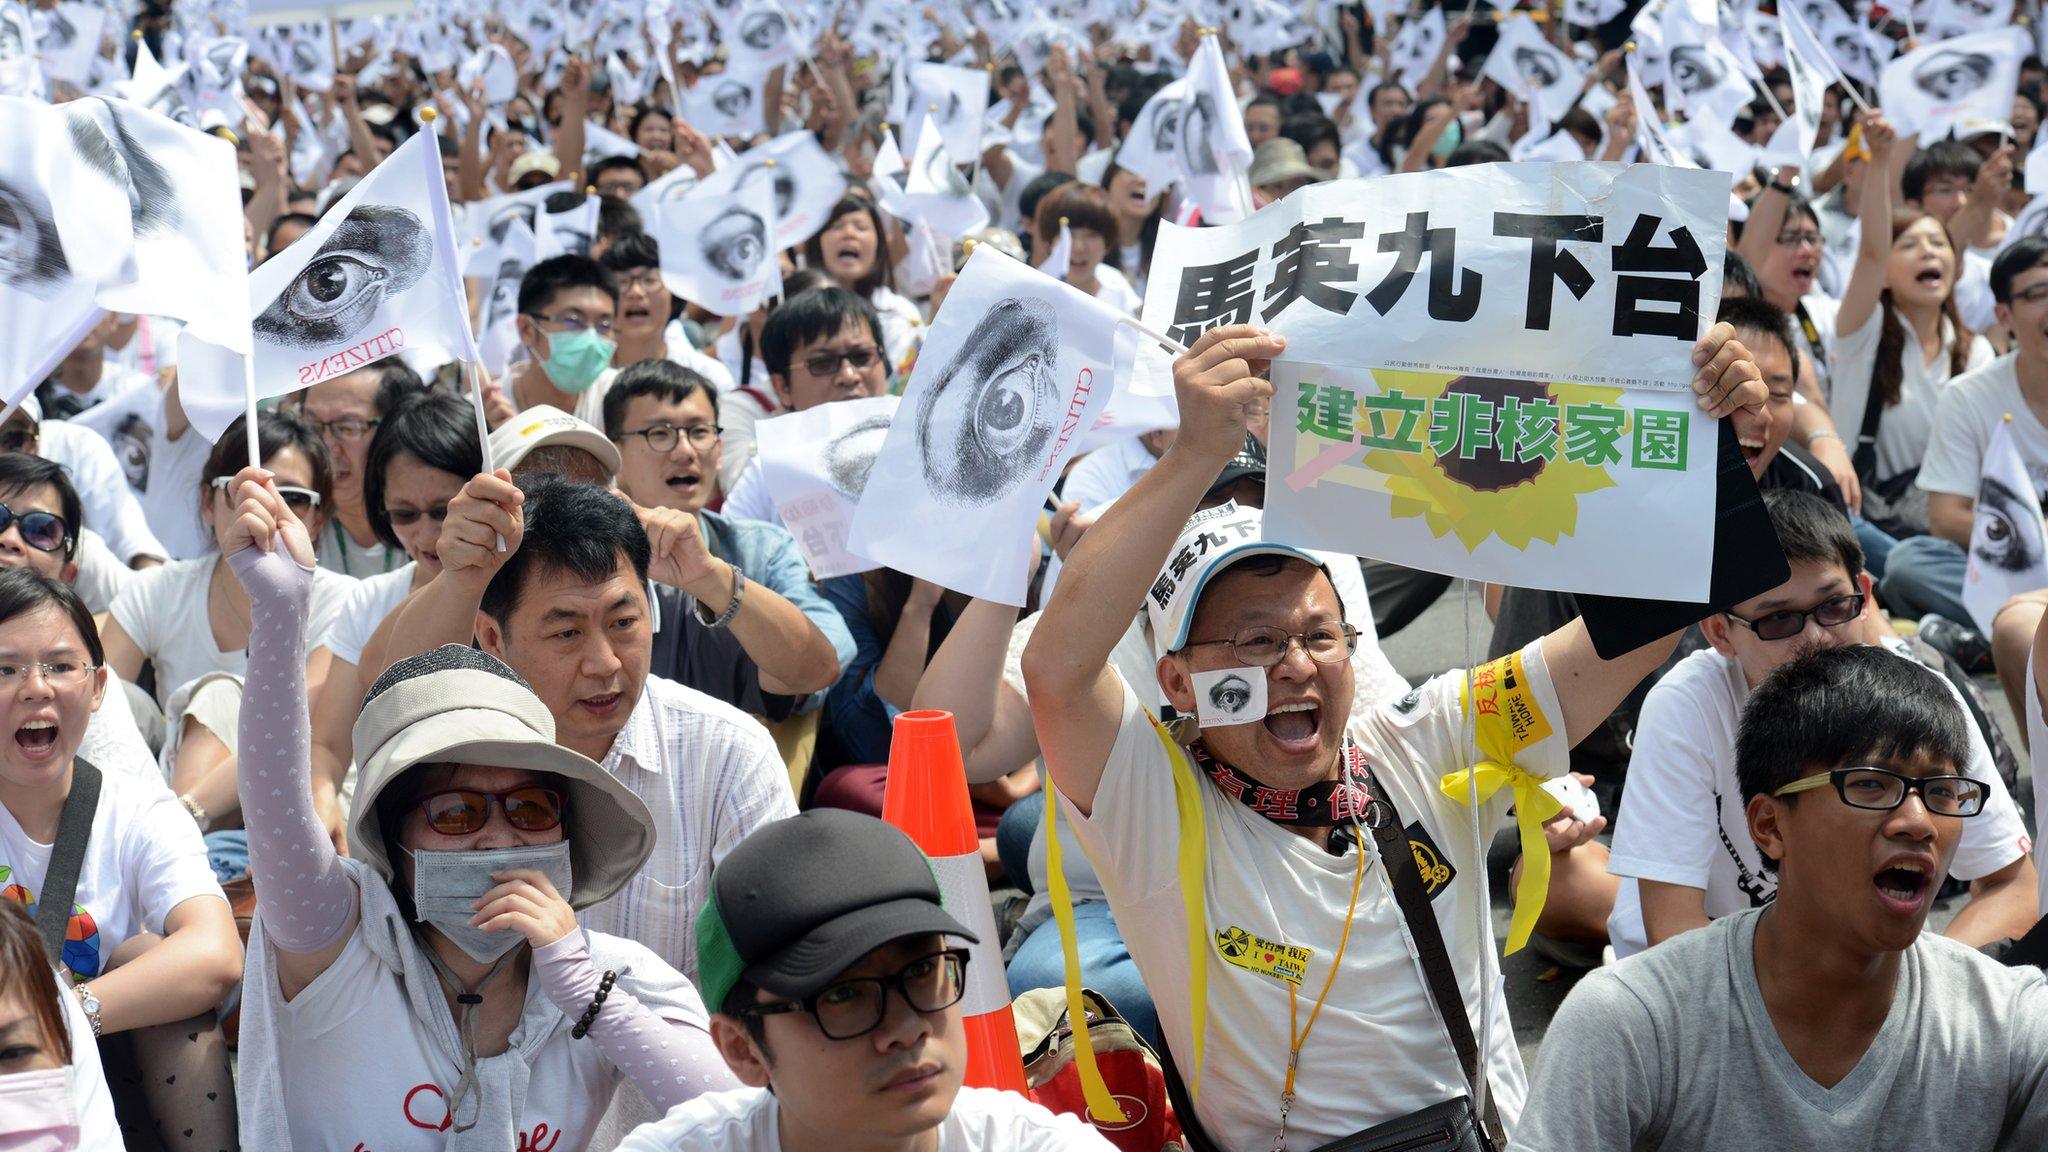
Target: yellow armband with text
{"x":1507,"y":719}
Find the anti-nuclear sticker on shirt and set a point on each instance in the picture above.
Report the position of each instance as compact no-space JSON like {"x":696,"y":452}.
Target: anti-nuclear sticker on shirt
{"x":1264,"y":957}
{"x":1504,"y":704}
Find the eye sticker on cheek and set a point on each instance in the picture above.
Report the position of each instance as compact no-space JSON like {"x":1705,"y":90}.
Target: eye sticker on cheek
{"x":1230,"y":696}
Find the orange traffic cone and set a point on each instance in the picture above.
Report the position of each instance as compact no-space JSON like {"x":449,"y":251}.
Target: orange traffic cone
{"x":927,"y":799}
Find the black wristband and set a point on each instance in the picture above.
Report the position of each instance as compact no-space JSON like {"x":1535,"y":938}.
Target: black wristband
{"x":1787,"y":189}
{"x":604,"y":989}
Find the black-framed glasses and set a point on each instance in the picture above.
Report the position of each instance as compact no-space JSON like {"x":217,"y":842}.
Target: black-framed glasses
{"x":348,"y":429}
{"x":461,"y":811}
{"x":647,"y":281}
{"x":854,"y":1008}
{"x":42,"y":531}
{"x":569,"y":322}
{"x":18,"y":439}
{"x":1795,"y":239}
{"x":663,"y":437}
{"x":1783,"y":625}
{"x":1881,"y":790}
{"x":299,"y":500}
{"x":827,"y":363}
{"x":1265,"y":647}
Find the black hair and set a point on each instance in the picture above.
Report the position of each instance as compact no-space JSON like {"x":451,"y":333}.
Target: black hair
{"x":1739,"y":275}
{"x":24,"y":590}
{"x":1842,"y":706}
{"x":642,"y":116}
{"x":1266,"y":100}
{"x":1310,"y":129}
{"x":616,"y":219}
{"x":615,"y":164}
{"x":1756,"y":314}
{"x":1036,"y":189}
{"x":20,"y":472}
{"x":819,"y":314}
{"x":665,"y":380}
{"x":1141,"y":91}
{"x":1941,"y":158}
{"x":879,"y":275}
{"x":1380,"y":88}
{"x":1580,"y":124}
{"x":743,"y":996}
{"x":571,"y":527}
{"x":551,"y":277}
{"x":438,"y":429}
{"x":2022,"y":255}
{"x":632,"y":252}
{"x":1813,"y":530}
{"x":1476,"y":152}
{"x":302,"y":219}
{"x":276,"y":430}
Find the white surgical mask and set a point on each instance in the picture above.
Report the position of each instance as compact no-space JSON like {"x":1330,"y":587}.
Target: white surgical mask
{"x":446,"y":886}
{"x":37,"y":1112}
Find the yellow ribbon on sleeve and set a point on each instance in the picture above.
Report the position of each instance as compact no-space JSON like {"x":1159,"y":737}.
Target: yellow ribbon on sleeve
{"x":1506,"y":720}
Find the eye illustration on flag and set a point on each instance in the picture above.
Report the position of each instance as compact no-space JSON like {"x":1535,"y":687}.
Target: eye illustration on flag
{"x":851,"y":455}
{"x":2008,"y":535}
{"x":1166,"y":126}
{"x":943,"y":175}
{"x":108,"y":148}
{"x":733,"y":244}
{"x":1537,"y":69}
{"x":1694,"y":69}
{"x":377,"y":253}
{"x":31,"y":257}
{"x":1197,"y":127}
{"x":763,"y":30}
{"x":732,"y":98}
{"x":1950,"y":76}
{"x":785,"y":183}
{"x":984,"y":424}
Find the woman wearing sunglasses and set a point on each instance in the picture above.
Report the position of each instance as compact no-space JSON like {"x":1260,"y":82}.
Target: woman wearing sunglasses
{"x":190,"y":619}
{"x":149,"y":946}
{"x":446,"y":945}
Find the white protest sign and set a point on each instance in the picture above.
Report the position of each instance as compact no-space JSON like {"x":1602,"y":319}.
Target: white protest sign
{"x":1596,"y":273}
{"x":815,"y":464}
{"x":1564,"y":486}
{"x":1013,"y":370}
{"x":726,"y":104}
{"x":716,"y":250}
{"x":1964,"y":85}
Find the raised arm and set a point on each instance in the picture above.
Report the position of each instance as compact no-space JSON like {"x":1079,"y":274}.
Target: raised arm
{"x":1874,"y":213}
{"x":1076,"y":699}
{"x":966,"y":679}
{"x":575,"y":113}
{"x":444,"y":612}
{"x":307,"y":901}
{"x":1766,"y":219}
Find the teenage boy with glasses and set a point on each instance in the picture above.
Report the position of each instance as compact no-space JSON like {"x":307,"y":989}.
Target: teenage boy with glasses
{"x":1827,"y":1019}
{"x":1681,"y":844}
{"x":826,"y":948}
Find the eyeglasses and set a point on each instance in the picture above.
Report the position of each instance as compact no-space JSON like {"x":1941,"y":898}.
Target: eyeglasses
{"x":1877,"y":790}
{"x":18,"y":439}
{"x":827,"y":363}
{"x":1265,"y":647}
{"x":570,"y":322}
{"x":60,"y":674}
{"x":299,"y":500}
{"x":854,"y":1008}
{"x":348,"y":429}
{"x":1830,"y":613}
{"x":2034,"y":295}
{"x":649,"y":281}
{"x":663,"y":437}
{"x":461,"y":811}
{"x":42,"y":531}
{"x":1795,"y":239}
{"x":407,"y":517}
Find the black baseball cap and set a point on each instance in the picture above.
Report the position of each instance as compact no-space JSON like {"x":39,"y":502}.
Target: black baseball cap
{"x":803,"y":899}
{"x":1249,"y":461}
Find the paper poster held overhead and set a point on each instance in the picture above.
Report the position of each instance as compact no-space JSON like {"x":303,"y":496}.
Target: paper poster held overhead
{"x":815,"y":465}
{"x":716,"y":250}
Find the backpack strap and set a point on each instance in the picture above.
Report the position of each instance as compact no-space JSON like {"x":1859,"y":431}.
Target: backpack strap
{"x":67,"y":856}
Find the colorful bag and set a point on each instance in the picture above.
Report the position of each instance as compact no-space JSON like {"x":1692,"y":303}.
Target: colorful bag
{"x":1127,"y":1066}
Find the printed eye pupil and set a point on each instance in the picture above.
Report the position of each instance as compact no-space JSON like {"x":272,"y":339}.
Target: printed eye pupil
{"x":326,"y":283}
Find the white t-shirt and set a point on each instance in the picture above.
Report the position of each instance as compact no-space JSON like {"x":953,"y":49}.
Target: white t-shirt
{"x":1974,"y":302}
{"x":1906,"y":427}
{"x":1379,"y":1049}
{"x":163,"y":473}
{"x":749,"y":498}
{"x":164,"y":610}
{"x":1101,"y":476}
{"x":339,"y":552}
{"x":98,"y":1129}
{"x":144,"y":858}
{"x":902,"y":327}
{"x":982,"y":1120}
{"x":1682,"y":819}
{"x":1114,"y":289}
{"x":686,"y":354}
{"x":101,"y":575}
{"x":1820,"y":311}
{"x":1971,"y":408}
{"x":104,"y":485}
{"x":368,"y":603}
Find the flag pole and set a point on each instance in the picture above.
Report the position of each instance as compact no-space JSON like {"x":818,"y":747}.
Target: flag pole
{"x":249,"y":413}
{"x":483,"y":425}
{"x":1171,"y":345}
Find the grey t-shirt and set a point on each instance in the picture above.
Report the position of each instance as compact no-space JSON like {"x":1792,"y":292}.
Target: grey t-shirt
{"x":1673,"y":1049}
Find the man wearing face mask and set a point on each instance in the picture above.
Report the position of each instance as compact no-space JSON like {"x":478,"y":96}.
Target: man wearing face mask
{"x":567,"y":306}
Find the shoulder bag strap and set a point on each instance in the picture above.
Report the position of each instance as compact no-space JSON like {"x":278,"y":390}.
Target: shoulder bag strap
{"x":67,"y":856}
{"x":1399,"y":858}
{"x":1864,"y":459}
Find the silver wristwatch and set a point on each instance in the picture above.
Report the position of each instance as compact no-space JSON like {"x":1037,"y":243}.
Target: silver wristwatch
{"x":91,"y":1004}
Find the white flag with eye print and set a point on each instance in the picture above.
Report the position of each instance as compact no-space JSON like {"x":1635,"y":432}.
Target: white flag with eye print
{"x":377,"y":276}
{"x":1964,"y":85}
{"x":1539,"y":72}
{"x":2007,"y":553}
{"x":807,"y":181}
{"x":1812,"y":70}
{"x":726,"y":104}
{"x":569,"y":232}
{"x":717,"y":249}
{"x":1152,"y":148}
{"x":815,"y":464}
{"x":1215,"y":153}
{"x":21,"y":74}
{"x":68,"y":39}
{"x":490,"y":66}
{"x":953,"y":100}
{"x":1015,"y":367}
{"x":1416,"y":47}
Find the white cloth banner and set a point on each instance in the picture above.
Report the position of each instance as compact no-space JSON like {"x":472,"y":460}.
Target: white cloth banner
{"x":1014,"y":368}
{"x":716,"y":249}
{"x":1964,"y":85}
{"x":1563,"y":486}
{"x":377,"y":276}
{"x":2007,"y":553}
{"x":815,"y":464}
{"x":1590,"y":272}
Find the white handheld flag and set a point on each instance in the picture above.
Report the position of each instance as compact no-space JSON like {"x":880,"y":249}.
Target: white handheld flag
{"x":1811,"y":71}
{"x":815,"y":465}
{"x":1014,"y":368}
{"x":569,"y":232}
{"x":1539,"y":72}
{"x":807,"y":181}
{"x":1964,"y":85}
{"x":953,"y":100}
{"x":936,"y":193}
{"x":716,"y":248}
{"x":21,"y":73}
{"x":1650,"y":138}
{"x":1062,"y":254}
{"x":2007,"y":554}
{"x":1150,"y":149}
{"x":376,"y":276}
{"x":1215,"y":153}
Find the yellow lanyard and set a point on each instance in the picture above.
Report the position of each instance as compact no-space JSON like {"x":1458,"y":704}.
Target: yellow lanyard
{"x":1297,"y":1039}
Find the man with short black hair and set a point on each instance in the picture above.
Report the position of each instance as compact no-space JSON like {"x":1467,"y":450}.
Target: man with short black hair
{"x":1827,"y":1019}
{"x":568,"y":308}
{"x":837,"y":998}
{"x":1774,"y":460}
{"x":644,"y":327}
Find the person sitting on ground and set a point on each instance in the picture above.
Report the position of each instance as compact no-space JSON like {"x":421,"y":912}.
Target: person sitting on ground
{"x":50,"y":1068}
{"x":568,"y":310}
{"x":839,"y":987}
{"x":1821,"y":1019}
{"x":476,"y":838}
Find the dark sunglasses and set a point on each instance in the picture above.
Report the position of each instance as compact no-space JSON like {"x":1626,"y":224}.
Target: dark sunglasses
{"x":18,"y":439}
{"x":42,"y":531}
{"x":461,"y":811}
{"x":407,"y":517}
{"x":1831,"y":613}
{"x":827,"y":363}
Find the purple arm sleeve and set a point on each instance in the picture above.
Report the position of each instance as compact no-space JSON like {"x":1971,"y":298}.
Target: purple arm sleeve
{"x":669,"y":1062}
{"x":305,"y":897}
